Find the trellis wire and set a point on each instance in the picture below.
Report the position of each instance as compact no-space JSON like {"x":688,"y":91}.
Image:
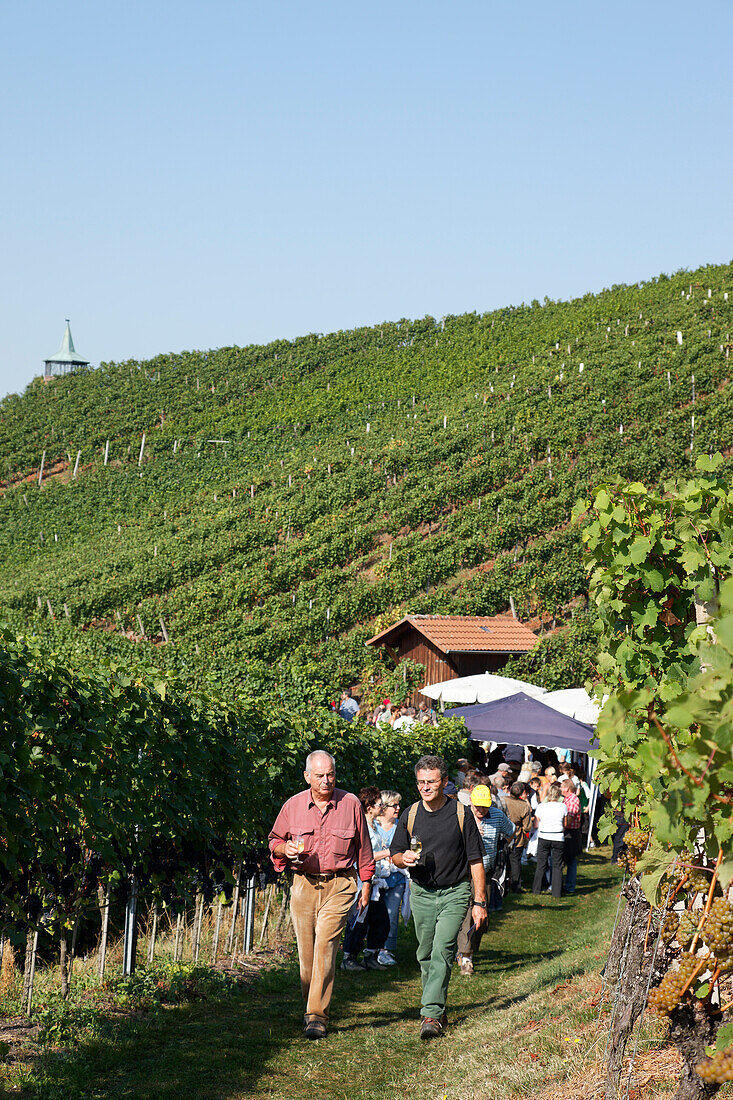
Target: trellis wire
{"x":646,"y":995}
{"x":604,"y":981}
{"x":622,"y":971}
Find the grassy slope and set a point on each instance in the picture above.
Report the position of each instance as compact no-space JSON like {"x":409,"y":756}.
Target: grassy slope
{"x":419,"y":517}
{"x":527,"y":1017}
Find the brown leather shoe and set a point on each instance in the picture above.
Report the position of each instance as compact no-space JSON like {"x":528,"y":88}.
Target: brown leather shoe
{"x":430,"y":1028}
{"x":314,"y":1029}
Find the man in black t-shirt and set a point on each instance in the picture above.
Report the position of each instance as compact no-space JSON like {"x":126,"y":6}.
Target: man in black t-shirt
{"x":439,"y":843}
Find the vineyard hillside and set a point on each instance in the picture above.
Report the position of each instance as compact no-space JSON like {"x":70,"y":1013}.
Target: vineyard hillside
{"x":249,"y":516}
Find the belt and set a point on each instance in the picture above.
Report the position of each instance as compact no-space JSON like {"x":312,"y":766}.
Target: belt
{"x":325,"y":876}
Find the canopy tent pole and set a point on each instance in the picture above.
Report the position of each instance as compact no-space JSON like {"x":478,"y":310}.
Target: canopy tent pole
{"x":593,"y":801}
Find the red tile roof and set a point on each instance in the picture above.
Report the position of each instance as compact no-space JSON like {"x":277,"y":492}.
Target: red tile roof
{"x":465,"y":633}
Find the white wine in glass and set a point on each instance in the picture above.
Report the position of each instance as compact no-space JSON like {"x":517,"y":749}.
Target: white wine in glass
{"x":300,"y":845}
{"x":416,"y":845}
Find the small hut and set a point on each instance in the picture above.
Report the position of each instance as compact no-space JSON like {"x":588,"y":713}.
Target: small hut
{"x":66,"y":358}
{"x":455,"y":645}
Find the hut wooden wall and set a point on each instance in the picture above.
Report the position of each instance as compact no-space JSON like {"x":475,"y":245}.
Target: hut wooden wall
{"x":439,"y":666}
{"x":414,"y":647}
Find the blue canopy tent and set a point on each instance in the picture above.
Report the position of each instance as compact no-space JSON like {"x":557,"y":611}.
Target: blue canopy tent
{"x":521,"y":720}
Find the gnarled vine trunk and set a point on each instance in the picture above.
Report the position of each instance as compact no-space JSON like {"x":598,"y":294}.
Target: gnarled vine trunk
{"x":627,"y":975}
{"x":691,"y":1029}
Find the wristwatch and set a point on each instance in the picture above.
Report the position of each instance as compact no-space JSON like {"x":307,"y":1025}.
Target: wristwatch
{"x":480,"y":904}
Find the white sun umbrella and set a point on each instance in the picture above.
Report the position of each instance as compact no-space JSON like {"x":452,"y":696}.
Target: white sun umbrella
{"x":576,"y":703}
{"x":484,"y":688}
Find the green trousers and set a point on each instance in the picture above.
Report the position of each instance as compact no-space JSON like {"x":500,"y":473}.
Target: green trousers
{"x":438,"y":917}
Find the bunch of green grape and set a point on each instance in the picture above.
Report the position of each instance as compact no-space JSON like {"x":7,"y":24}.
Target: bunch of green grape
{"x":667,"y":995}
{"x":670,"y":926}
{"x":718,"y":933}
{"x":627,"y":860}
{"x":698,"y":879}
{"x":686,"y":929}
{"x":718,"y":1069}
{"x":636,"y":841}
{"x":678,"y":870}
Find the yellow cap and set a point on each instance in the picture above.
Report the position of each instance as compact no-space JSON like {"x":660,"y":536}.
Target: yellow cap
{"x":481,"y":795}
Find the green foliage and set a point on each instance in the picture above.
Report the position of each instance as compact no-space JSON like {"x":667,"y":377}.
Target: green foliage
{"x":563,"y":658}
{"x":272,"y":593}
{"x":111,"y":769}
{"x":665,"y":733}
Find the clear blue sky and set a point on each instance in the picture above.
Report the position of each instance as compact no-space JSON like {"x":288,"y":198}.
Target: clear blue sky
{"x":187,"y":175}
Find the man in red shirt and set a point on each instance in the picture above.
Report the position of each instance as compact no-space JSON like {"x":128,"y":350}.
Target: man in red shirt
{"x":573,"y":842}
{"x":321,"y":834}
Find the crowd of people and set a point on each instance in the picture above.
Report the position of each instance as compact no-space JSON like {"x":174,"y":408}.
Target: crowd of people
{"x":396,"y":715}
{"x":361,"y":862}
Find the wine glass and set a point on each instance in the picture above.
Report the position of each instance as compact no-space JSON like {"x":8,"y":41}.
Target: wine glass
{"x":416,"y":845}
{"x":300,"y":845}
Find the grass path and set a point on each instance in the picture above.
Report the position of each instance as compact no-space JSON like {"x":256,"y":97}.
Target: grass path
{"x":512,"y":1025}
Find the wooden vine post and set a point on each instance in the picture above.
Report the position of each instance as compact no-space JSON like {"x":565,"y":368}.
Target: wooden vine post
{"x":235,"y":909}
{"x":217,"y":931}
{"x":198,"y":921}
{"x":152,"y":936}
{"x":29,"y":970}
{"x":270,"y":893}
{"x":104,"y":907}
{"x":178,"y":942}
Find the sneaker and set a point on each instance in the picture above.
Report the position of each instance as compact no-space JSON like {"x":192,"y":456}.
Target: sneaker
{"x":386,"y":958}
{"x":350,"y":962}
{"x":466,"y":966}
{"x":315,"y":1029}
{"x":430,"y":1028}
{"x":371,"y":962}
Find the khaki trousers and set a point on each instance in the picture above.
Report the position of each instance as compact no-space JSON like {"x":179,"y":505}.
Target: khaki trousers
{"x":319,"y":911}
{"x":469,"y":945}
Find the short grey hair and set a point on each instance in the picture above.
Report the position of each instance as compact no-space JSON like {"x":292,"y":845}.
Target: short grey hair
{"x":318,"y":752}
{"x":432,"y":764}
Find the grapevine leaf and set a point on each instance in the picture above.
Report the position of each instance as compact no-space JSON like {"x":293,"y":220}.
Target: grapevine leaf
{"x":723,"y":1038}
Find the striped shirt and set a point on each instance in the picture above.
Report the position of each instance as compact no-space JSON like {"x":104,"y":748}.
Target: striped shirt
{"x":495,"y":824}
